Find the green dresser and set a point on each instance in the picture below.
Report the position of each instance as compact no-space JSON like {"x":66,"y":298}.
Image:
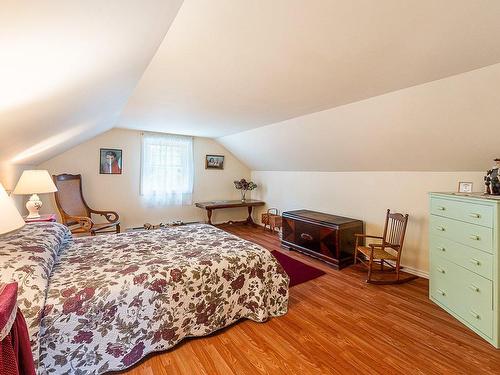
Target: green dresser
{"x":464,"y":260}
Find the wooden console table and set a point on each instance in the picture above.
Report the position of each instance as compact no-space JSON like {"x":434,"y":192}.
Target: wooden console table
{"x":217,"y":205}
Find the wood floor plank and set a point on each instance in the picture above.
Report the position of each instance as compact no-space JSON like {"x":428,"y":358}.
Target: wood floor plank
{"x":336,"y":324}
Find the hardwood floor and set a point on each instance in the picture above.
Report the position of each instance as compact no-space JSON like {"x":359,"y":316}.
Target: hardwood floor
{"x":336,"y":324}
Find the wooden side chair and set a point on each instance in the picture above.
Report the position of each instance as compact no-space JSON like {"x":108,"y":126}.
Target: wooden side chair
{"x":389,"y":250}
{"x":74,"y":211}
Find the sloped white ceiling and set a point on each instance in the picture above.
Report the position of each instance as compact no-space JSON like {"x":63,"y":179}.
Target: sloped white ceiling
{"x":227,"y":66}
{"x":452,"y":124}
{"x":67,"y":68}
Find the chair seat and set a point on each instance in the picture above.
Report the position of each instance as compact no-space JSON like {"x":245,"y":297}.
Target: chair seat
{"x":378,"y":253}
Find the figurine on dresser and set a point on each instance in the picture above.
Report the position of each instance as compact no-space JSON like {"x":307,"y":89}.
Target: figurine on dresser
{"x":492,"y":180}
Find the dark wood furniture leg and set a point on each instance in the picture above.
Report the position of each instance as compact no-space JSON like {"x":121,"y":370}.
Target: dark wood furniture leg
{"x":249,"y":218}
{"x":209,"y":214}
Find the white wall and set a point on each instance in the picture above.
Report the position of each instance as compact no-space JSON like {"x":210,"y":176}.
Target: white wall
{"x":365,"y":196}
{"x":121,"y":192}
{"x":9,"y":175}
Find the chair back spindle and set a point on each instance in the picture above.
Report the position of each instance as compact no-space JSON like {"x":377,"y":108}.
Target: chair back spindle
{"x":395,"y":229}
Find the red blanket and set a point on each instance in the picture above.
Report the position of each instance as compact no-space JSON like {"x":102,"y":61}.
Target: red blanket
{"x":15,"y":349}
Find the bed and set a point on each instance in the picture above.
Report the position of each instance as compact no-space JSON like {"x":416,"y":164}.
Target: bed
{"x":100,"y":304}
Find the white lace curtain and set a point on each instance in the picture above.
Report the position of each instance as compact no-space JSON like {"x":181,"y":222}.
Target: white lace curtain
{"x":167,"y":169}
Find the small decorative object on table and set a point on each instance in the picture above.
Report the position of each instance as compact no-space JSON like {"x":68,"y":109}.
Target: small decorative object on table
{"x":243,"y":186}
{"x":272,"y":218}
{"x":465,"y":187}
{"x":491,"y":179}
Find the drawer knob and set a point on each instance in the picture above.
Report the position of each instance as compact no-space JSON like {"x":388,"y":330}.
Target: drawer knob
{"x":441,"y":248}
{"x":441,"y":229}
{"x":475,"y":314}
{"x":440,"y":291}
{"x":475,"y":262}
{"x":474,"y":215}
{"x":474,"y":237}
{"x":441,"y":208}
{"x":474,"y":288}
{"x":306,"y":236}
{"x":441,"y":270}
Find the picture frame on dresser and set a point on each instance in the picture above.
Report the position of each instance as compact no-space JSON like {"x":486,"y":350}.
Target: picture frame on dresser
{"x":465,"y":187}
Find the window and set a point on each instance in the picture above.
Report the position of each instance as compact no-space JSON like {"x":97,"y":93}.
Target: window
{"x":167,"y":169}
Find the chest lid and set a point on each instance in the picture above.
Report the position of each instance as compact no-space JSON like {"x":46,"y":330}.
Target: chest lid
{"x":319,"y":218}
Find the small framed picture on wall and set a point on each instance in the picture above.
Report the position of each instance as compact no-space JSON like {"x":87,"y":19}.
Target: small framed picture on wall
{"x":214,"y":162}
{"x":465,"y":187}
{"x":110,"y":161}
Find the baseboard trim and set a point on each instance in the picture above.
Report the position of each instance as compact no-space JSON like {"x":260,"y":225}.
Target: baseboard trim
{"x":411,"y":270}
{"x":414,"y":271}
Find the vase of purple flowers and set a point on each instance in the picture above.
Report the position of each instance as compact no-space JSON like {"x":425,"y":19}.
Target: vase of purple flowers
{"x":243,"y":186}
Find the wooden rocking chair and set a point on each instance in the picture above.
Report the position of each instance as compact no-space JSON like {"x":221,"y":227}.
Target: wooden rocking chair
{"x":389,"y":250}
{"x":74,"y":211}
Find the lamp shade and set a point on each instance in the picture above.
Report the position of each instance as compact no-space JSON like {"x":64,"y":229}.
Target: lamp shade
{"x":10,"y":219}
{"x":35,"y":182}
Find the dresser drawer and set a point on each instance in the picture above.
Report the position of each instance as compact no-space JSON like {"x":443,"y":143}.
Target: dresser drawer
{"x":467,"y":294}
{"x":482,"y":319}
{"x":442,"y":285}
{"x":472,"y":259}
{"x":473,"y":235}
{"x":476,"y":305}
{"x":468,"y":212}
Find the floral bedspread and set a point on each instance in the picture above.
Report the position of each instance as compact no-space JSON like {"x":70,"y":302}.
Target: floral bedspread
{"x":113,"y":299}
{"x":27,"y":256}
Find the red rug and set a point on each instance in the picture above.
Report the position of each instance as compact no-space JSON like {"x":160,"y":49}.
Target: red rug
{"x":297,"y":271}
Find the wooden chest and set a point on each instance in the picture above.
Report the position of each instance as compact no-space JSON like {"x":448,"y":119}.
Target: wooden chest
{"x":327,"y":237}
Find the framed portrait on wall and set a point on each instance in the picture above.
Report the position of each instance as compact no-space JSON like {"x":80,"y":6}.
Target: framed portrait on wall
{"x":110,"y":161}
{"x":214,"y":162}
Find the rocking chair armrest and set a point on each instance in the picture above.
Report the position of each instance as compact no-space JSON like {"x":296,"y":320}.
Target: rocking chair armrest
{"x":85,"y":222}
{"x":367,"y":236}
{"x":111,"y":216}
{"x":394,"y":247}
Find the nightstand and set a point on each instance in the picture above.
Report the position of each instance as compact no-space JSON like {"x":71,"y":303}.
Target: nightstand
{"x":42,"y":218}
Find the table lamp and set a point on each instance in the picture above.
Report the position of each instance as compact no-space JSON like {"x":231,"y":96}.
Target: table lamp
{"x":10,"y":219}
{"x":34,"y":182}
